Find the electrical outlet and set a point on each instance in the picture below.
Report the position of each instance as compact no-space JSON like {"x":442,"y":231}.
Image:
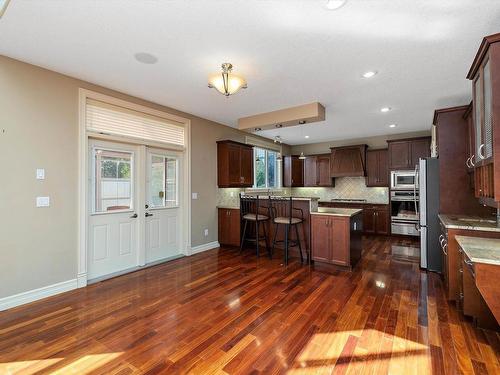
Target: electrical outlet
{"x":42,"y":201}
{"x":206,"y":232}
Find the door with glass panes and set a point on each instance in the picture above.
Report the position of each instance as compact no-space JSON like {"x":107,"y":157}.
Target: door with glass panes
{"x":134,"y":215}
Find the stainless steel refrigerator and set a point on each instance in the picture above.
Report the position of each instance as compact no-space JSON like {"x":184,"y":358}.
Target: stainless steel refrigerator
{"x":428,"y":184}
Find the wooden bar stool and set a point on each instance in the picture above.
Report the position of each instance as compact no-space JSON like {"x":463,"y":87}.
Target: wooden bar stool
{"x":252,"y":210}
{"x":282,"y":211}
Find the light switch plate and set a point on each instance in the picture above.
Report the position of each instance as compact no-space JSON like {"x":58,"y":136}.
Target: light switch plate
{"x":42,"y":201}
{"x":40,"y":174}
{"x":194,"y":195}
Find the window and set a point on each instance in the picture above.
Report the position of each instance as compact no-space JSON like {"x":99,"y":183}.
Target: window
{"x":112,"y":180}
{"x":266,"y":168}
{"x":163,"y":182}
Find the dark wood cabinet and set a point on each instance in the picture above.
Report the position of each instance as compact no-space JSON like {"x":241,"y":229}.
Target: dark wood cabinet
{"x":234,"y":164}
{"x":317,"y":171}
{"x":377,"y":168}
{"x":376,"y":217}
{"x":405,"y":153}
{"x":229,"y":226}
{"x":348,"y":161}
{"x":485,"y":76}
{"x":293,"y":171}
{"x":336,"y":239}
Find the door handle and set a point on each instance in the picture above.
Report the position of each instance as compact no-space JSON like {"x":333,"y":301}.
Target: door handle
{"x":148,"y":214}
{"x":134,"y":216}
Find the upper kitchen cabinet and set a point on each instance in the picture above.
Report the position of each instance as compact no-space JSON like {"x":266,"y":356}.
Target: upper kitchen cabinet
{"x":317,"y":171}
{"x":234,"y":164}
{"x":348,"y":161}
{"x":293,"y":171}
{"x":377,"y":168}
{"x":404,"y":153}
{"x":485,"y":76}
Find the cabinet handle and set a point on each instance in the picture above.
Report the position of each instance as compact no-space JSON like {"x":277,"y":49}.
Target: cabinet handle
{"x":467,"y":163}
{"x":468,"y":262}
{"x":479,"y":152}
{"x":444,"y":249}
{"x":471,"y":161}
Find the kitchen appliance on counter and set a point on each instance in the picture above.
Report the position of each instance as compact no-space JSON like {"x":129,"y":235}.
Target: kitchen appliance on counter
{"x":404,"y":180}
{"x":428,"y":209}
{"x":404,"y":212}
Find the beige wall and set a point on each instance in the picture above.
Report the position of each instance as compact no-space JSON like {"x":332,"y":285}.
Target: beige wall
{"x":372,"y":142}
{"x":39,"y":129}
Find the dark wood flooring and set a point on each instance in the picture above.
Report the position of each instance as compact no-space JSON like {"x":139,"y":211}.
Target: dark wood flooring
{"x":218,"y":312}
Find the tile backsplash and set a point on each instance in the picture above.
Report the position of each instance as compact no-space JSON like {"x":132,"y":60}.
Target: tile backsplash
{"x":345,"y":188}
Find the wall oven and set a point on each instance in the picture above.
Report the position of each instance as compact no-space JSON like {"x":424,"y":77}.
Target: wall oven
{"x":404,"y":180}
{"x":404,"y":212}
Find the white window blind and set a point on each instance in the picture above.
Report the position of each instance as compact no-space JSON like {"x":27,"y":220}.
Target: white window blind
{"x":115,"y":120}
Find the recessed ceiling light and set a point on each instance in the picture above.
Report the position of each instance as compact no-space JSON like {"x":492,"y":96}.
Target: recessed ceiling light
{"x":385,"y":109}
{"x":302,"y":122}
{"x":335,"y":4}
{"x":392,"y":125}
{"x":369,"y":74}
{"x":306,"y":137}
{"x":145,"y":58}
{"x":258,"y":129}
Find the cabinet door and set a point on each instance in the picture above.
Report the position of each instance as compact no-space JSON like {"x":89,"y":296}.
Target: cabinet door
{"x":320,"y":238}
{"x":233,"y":237}
{"x":310,"y":171}
{"x":297,"y":172}
{"x":340,"y":232}
{"x":369,"y":218}
{"x":399,"y":155}
{"x":382,"y":222}
{"x":420,"y":148}
{"x":246,"y":166}
{"x":234,"y":161}
{"x":383,"y":168}
{"x":372,"y":169}
{"x":323,"y":171}
{"x":223,"y":227}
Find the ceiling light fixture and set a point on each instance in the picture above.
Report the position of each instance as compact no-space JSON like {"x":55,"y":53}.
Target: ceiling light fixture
{"x":392,"y":125}
{"x":385,"y":109}
{"x":302,"y":122}
{"x":279,"y":125}
{"x":369,"y":74}
{"x":3,"y":6}
{"x":278,"y":139}
{"x":306,"y":137}
{"x":258,"y":129}
{"x":145,"y":58}
{"x":279,"y":158}
{"x":302,"y":156}
{"x":227,"y":82}
{"x":335,"y":4}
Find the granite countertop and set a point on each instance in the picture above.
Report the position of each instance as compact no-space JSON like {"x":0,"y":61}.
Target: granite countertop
{"x":480,"y":250}
{"x":469,"y":223}
{"x":336,"y":211}
{"x":352,"y":202}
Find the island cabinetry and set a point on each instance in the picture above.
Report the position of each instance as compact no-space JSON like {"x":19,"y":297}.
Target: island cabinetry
{"x":336,"y":239}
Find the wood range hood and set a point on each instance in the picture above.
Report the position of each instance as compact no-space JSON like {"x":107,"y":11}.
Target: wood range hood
{"x":300,"y":115}
{"x":348,"y":161}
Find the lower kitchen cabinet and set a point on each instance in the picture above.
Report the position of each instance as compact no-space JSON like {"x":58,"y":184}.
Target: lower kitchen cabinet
{"x":376,"y":217}
{"x":229,"y":226}
{"x":336,"y":239}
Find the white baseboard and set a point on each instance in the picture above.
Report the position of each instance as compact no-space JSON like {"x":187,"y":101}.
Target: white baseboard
{"x":81,"y":280}
{"x":205,"y":247}
{"x":36,"y":294}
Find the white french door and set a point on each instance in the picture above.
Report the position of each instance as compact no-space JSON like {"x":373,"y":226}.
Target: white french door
{"x":163,"y":212}
{"x":134,"y":210}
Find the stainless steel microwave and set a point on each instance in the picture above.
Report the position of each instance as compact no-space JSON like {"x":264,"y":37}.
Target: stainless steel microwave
{"x":404,"y":180}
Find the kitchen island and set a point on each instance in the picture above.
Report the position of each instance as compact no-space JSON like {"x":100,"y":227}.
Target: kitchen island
{"x":336,"y":235}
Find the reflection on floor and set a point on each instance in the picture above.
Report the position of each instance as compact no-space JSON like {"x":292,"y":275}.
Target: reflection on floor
{"x":218,"y":312}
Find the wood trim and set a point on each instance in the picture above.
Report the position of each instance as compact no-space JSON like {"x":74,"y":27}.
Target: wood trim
{"x":483,"y":49}
{"x":437,"y":112}
{"x":236,"y":143}
{"x":468,"y":111}
{"x":408,"y":139}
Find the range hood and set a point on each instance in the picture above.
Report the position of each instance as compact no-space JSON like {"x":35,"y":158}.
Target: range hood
{"x":348,"y":161}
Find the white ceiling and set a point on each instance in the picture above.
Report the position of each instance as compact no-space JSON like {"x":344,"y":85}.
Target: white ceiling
{"x":292,"y":52}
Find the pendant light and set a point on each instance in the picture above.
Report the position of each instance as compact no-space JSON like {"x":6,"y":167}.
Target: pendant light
{"x":227,"y":82}
{"x":302,"y":156}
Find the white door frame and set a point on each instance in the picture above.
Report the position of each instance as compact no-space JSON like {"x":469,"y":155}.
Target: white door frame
{"x":83,"y":176}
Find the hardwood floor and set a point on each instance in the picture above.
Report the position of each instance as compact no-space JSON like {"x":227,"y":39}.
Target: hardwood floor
{"x":218,"y":312}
